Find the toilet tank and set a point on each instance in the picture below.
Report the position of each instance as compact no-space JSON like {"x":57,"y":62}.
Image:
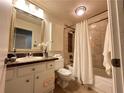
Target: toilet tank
{"x":59,"y":63}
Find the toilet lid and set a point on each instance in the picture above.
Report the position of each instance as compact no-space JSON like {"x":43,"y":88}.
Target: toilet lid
{"x":64,"y":72}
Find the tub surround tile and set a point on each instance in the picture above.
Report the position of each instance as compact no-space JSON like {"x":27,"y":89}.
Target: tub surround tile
{"x":97,"y":46}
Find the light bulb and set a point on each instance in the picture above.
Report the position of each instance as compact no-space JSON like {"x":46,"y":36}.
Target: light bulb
{"x":80,"y":10}
{"x":21,"y":4}
{"x":32,"y":8}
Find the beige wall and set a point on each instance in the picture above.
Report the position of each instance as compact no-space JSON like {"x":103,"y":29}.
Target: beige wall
{"x":57,"y":37}
{"x":5,"y":17}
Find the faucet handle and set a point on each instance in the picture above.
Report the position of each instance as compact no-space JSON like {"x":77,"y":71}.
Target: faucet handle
{"x":14,"y":50}
{"x":27,"y":54}
{"x":30,"y":54}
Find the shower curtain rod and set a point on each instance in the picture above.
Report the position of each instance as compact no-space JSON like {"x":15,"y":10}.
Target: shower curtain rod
{"x":98,"y":21}
{"x":97,"y":14}
{"x":67,"y":26}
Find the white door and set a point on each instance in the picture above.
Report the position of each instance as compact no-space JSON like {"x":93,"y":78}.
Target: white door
{"x":5,"y":15}
{"x":116,"y":16}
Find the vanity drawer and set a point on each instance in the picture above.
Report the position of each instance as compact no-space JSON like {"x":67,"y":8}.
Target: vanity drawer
{"x":50,"y":65}
{"x":10,"y":74}
{"x":25,"y":70}
{"x":40,"y":67}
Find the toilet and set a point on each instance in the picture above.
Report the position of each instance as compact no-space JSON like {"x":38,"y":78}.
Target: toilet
{"x":64,"y":75}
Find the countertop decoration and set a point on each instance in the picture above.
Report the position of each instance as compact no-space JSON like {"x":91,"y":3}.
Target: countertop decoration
{"x":44,"y":48}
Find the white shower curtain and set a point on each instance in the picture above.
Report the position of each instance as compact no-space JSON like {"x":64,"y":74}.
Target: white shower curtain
{"x":83,"y":69}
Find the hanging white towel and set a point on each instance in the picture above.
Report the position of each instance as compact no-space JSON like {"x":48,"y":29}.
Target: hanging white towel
{"x":83,"y":69}
{"x":107,"y":51}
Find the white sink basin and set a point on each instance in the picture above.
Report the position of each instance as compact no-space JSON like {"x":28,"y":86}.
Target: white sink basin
{"x":28,"y":59}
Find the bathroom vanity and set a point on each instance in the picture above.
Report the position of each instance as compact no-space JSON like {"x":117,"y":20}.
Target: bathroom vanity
{"x":33,"y":74}
{"x":31,"y":77}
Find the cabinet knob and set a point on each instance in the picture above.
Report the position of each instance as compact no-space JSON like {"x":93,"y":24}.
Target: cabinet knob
{"x":27,"y":80}
{"x":37,"y":77}
{"x":33,"y":69}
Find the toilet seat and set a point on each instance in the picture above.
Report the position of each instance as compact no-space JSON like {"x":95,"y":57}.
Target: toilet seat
{"x":64,"y":72}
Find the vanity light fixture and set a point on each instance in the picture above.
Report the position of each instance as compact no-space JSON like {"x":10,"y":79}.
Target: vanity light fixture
{"x":80,"y":10}
{"x":30,"y":8}
{"x":21,"y":4}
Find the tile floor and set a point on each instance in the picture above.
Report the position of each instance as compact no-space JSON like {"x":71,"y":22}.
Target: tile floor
{"x":73,"y":87}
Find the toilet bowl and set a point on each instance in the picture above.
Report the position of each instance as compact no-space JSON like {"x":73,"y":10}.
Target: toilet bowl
{"x":64,"y":75}
{"x":70,"y":67}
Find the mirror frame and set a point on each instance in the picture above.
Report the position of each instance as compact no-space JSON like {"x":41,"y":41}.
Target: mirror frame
{"x":12,"y":26}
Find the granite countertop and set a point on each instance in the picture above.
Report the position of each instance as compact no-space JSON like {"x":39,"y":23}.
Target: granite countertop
{"x":15,"y":64}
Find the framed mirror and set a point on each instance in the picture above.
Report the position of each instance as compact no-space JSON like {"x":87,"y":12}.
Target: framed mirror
{"x":22,"y":38}
{"x":26,"y":31}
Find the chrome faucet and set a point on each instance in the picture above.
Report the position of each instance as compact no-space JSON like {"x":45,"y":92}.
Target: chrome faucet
{"x":29,"y":54}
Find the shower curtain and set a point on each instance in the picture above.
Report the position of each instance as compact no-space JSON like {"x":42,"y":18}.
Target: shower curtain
{"x":83,"y":69}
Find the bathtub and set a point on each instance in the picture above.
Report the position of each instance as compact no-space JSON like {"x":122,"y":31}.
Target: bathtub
{"x":102,"y":84}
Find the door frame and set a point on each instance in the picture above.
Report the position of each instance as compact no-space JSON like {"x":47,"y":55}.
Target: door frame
{"x":116,"y":18}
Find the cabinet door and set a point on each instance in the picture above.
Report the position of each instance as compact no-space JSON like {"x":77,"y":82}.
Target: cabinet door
{"x":48,"y":81}
{"x":38,"y":85}
{"x":20,"y":85}
{"x":44,"y":81}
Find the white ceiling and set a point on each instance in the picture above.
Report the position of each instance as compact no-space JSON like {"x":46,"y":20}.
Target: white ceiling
{"x":64,"y":9}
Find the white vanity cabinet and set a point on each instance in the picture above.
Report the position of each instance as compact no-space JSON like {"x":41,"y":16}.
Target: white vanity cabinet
{"x":36,"y":78}
{"x":20,"y":85}
{"x":44,"y":81}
